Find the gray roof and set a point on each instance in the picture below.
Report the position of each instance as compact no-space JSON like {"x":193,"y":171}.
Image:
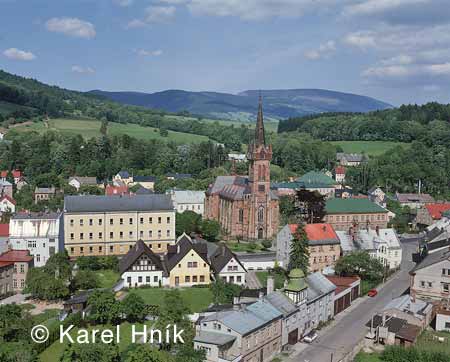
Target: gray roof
{"x":85,"y":180}
{"x":405,"y":303}
{"x":281,"y":302}
{"x":350,"y":157}
{"x":423,"y":198}
{"x":143,"y":191}
{"x":124,"y":174}
{"x":36,"y":215}
{"x":89,"y":203}
{"x":318,"y":286}
{"x":44,"y":190}
{"x":218,"y":339}
{"x":188,"y":197}
{"x":432,"y":258}
{"x":144,"y":179}
{"x":135,"y":253}
{"x":368,"y":239}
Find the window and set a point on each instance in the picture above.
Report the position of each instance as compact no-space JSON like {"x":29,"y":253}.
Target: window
{"x":71,"y":236}
{"x":159,"y":220}
{"x":38,"y":258}
{"x":141,"y":234}
{"x":71,"y":222}
{"x":81,"y":222}
{"x":150,"y":220}
{"x":239,"y":279}
{"x":100,"y":235}
{"x":446,"y":287}
{"x":430,"y":285}
{"x":121,"y":235}
{"x":202,"y":278}
{"x":194,"y":279}
{"x":111,"y":248}
{"x":81,"y":236}
{"x":99,"y":249}
{"x":159,"y":233}
{"x":150,"y":233}
{"x":91,"y":222}
{"x":155,"y":279}
{"x":111,"y":221}
{"x":422,"y":284}
{"x":168,"y":219}
{"x":91,"y":249}
{"x":90,"y":236}
{"x":241,"y":215}
{"x":121,"y":221}
{"x":139,"y":279}
{"x":447,"y":325}
{"x":187,"y":279}
{"x":141,"y":220}
{"x":130,"y":234}
{"x":168,"y":233}
{"x":129,"y":280}
{"x":130,"y":221}
{"x":111,"y":235}
{"x":159,"y":246}
{"x":72,"y":250}
{"x":100,"y":222}
{"x":261,"y":188}
{"x":81,"y":250}
{"x":147,"y":279}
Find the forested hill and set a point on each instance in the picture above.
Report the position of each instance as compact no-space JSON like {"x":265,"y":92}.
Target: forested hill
{"x":278,"y":103}
{"x":429,"y":123}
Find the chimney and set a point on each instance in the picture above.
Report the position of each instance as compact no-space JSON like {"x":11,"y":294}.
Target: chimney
{"x":270,"y":284}
{"x":324,"y":228}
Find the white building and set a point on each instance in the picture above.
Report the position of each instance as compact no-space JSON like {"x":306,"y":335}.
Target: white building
{"x":227,"y":266}
{"x":382,"y":244}
{"x":40,"y":233}
{"x":185,"y":200}
{"x":7,"y":204}
{"x":78,"y":181}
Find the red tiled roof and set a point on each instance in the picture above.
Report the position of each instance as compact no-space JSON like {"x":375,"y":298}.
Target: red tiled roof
{"x":342,"y":281}
{"x":293,"y":228}
{"x":339,"y":170}
{"x":4,"y":229}
{"x":436,"y":210}
{"x":5,"y":263}
{"x":15,"y":173}
{"x":320,"y":232}
{"x":116,"y":190}
{"x":10,"y":199}
{"x":16,"y":256}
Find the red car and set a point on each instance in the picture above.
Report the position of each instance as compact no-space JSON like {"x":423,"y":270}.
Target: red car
{"x":372,"y":293}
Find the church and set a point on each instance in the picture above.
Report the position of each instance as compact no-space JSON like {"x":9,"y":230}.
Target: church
{"x":245,"y":206}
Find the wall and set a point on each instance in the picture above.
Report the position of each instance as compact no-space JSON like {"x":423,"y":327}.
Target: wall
{"x":181,"y":270}
{"x":433,"y":275}
{"x":233,"y":270}
{"x":345,"y":221}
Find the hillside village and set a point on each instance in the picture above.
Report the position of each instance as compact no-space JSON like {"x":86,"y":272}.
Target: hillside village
{"x":270,"y":266}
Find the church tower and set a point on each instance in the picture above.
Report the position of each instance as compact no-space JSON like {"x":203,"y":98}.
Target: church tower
{"x":259,"y":156}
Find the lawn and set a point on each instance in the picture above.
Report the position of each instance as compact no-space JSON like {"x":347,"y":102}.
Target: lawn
{"x":244,"y":247}
{"x":371,"y":148}
{"x":279,"y":279}
{"x":428,"y":342}
{"x":367,"y":357}
{"x":197,"y":299}
{"x":91,"y":128}
{"x":107,"y":278}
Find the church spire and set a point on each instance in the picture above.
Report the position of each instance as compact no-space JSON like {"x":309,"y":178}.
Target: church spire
{"x":260,"y":138}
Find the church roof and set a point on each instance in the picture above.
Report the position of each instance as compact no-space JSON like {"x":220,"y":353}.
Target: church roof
{"x":260,"y":138}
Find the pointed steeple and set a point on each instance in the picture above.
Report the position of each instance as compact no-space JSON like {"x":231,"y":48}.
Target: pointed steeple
{"x":260,"y":138}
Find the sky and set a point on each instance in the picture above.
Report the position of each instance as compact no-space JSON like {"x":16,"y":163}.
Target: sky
{"x":397,"y":51}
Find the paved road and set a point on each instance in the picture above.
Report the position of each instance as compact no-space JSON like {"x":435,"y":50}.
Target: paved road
{"x":346,"y":333}
{"x":252,"y":280}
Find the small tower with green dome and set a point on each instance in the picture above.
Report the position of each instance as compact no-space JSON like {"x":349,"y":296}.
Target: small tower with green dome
{"x":296,"y":288}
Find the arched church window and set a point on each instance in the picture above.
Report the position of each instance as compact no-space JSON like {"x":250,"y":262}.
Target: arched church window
{"x":261,"y":214}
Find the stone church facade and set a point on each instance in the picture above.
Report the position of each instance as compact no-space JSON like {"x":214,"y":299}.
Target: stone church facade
{"x":245,"y":206}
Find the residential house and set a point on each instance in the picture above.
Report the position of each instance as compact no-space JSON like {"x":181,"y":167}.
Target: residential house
{"x":417,"y":312}
{"x":339,"y":174}
{"x":7,"y":204}
{"x":226,"y":266}
{"x":39,"y":233}
{"x":145,"y":181}
{"x":43,"y":193}
{"x":258,"y":261}
{"x":185,"y":200}
{"x":350,"y":159}
{"x":430,"y":213}
{"x":143,"y":191}
{"x":342,"y":214}
{"x":123,"y":177}
{"x":78,"y":181}
{"x":318,"y":181}
{"x":345,"y":192}
{"x":16,"y":174}
{"x":430,"y":278}
{"x":414,"y":201}
{"x":443,"y":317}
{"x":237,"y":157}
{"x":4,"y":237}
{"x":320,"y":301}
{"x":393,"y":331}
{"x":324,"y":246}
{"x":6,"y":188}
{"x":111,"y":225}
{"x":252,"y":333}
{"x":347,"y":291}
{"x":187,"y":263}
{"x":382,"y":244}
{"x":178,"y":176}
{"x":6,"y":278}
{"x":23,"y":261}
{"x":111,"y":190}
{"x":141,"y":266}
{"x":378,"y":196}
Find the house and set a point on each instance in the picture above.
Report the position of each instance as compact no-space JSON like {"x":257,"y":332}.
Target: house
{"x":414,"y":201}
{"x":350,"y":159}
{"x":443,"y":317}
{"x":145,"y":181}
{"x":6,"y":188}
{"x":324,"y":246}
{"x":258,"y":261}
{"x":378,"y":196}
{"x":226,"y":266}
{"x":16,"y":174}
{"x":6,"y":278}
{"x":111,"y":190}
{"x":7,"y":204}
{"x":4,"y":237}
{"x":318,"y":181}
{"x":39,"y":233}
{"x":251,"y":333}
{"x":21,"y":183}
{"x":187,"y":263}
{"x":237,"y":157}
{"x":339,"y":174}
{"x":111,"y":225}
{"x":430,"y":278}
{"x":347,"y":291}
{"x":286,"y":188}
{"x":141,"y":266}
{"x":393,"y":330}
{"x":430,"y":213}
{"x":320,"y":300}
{"x":78,"y":181}
{"x":381,"y":244}
{"x":185,"y":200}
{"x":342,"y":214}
{"x":345,"y":192}
{"x":23,"y":261}
{"x":178,"y":176}
{"x":43,"y":193}
{"x":123,"y":177}
{"x":417,"y":312}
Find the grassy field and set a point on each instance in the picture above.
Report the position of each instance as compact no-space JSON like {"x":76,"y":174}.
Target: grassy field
{"x":428,"y":342}
{"x":197,"y":299}
{"x":91,"y":128}
{"x":371,"y":148}
{"x":107,"y":278}
{"x":244,"y":247}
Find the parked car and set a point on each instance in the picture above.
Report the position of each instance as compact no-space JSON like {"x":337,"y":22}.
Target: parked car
{"x":372,"y":293}
{"x":310,"y":337}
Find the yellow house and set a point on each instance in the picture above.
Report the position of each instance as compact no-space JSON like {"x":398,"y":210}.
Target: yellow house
{"x":111,"y":225}
{"x":187,"y":263}
{"x":147,"y":182}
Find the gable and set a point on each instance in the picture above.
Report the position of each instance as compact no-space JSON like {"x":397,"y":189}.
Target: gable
{"x":233,"y":262}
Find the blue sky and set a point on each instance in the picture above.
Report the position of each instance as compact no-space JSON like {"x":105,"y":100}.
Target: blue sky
{"x":395,"y":50}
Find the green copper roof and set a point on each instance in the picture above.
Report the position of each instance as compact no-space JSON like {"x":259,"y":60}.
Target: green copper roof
{"x":315,"y":179}
{"x":297,"y":281}
{"x":296,"y":273}
{"x":352,"y":206}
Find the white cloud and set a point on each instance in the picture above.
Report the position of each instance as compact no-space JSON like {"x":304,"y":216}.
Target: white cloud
{"x":123,"y":3}
{"x":82,"y":70}
{"x":148,"y":53}
{"x":323,"y":51}
{"x":159,"y":14}
{"x":72,"y":27}
{"x":361,"y":39}
{"x":371,"y":7}
{"x":401,"y":59}
{"x":135,"y":23}
{"x":17,"y":54}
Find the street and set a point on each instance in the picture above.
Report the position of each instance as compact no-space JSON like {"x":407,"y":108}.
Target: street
{"x":348,"y":331}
